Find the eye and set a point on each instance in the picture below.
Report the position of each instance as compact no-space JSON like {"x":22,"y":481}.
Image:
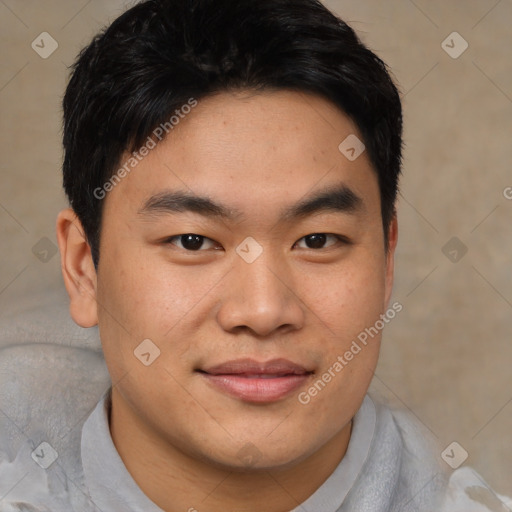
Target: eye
{"x":318,"y":240}
{"x":191,"y":242}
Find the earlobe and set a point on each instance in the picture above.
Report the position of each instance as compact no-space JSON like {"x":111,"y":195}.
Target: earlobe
{"x":77,"y":268}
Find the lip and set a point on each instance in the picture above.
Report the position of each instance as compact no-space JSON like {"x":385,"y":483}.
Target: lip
{"x":257,"y":382}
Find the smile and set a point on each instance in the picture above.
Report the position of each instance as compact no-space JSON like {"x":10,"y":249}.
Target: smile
{"x":252,"y":381}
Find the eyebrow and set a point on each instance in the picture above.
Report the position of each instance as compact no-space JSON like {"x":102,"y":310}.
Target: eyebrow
{"x":337,"y":199}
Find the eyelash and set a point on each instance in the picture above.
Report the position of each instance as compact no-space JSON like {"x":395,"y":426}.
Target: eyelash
{"x":340,"y":239}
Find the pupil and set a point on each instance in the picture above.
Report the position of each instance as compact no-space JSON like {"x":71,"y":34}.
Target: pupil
{"x":192,"y":242}
{"x":316,"y":241}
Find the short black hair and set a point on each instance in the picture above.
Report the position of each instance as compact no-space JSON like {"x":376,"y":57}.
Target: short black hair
{"x":160,"y":54}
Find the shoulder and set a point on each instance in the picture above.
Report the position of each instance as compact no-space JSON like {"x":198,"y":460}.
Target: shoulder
{"x":28,"y":486}
{"x":462,"y":490}
{"x":418,"y":449}
{"x":43,"y":411}
{"x":467,"y":491}
{"x":42,"y":476}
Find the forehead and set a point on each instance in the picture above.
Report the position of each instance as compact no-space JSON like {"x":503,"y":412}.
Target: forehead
{"x":251,"y":150}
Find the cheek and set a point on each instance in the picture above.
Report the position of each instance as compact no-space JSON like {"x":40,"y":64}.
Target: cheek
{"x":123,"y":297}
{"x":143,"y":297}
{"x":348,"y":298}
{"x":129,"y":284}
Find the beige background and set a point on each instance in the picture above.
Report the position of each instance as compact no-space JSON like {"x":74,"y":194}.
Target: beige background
{"x":448,"y":355}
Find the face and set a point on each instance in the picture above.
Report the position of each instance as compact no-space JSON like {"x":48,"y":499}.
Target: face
{"x":250,"y":291}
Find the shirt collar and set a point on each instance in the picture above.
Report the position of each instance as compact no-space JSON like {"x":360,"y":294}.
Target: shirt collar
{"x":331,"y":494}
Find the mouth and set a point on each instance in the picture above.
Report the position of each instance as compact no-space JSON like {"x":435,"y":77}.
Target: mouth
{"x":256,"y":382}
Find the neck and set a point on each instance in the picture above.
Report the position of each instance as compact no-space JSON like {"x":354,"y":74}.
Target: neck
{"x":176,"y":481}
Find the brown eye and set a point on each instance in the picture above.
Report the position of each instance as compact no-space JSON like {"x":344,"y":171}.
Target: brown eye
{"x":318,"y":240}
{"x":190,"y":241}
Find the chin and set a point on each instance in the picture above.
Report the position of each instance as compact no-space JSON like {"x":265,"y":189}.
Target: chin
{"x":251,"y":458}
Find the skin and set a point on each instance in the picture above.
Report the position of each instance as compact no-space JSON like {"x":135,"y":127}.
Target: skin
{"x":181,"y":439}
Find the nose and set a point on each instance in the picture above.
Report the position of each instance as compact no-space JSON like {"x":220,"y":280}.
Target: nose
{"x":260,"y":297}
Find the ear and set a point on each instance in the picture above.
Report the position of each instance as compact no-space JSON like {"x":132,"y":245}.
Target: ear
{"x":390,"y":257}
{"x":77,"y":269}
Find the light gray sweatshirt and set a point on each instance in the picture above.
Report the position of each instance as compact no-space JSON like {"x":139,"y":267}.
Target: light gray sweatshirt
{"x":388,"y":466}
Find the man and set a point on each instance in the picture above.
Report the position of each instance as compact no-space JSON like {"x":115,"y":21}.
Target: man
{"x":232,"y":172}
